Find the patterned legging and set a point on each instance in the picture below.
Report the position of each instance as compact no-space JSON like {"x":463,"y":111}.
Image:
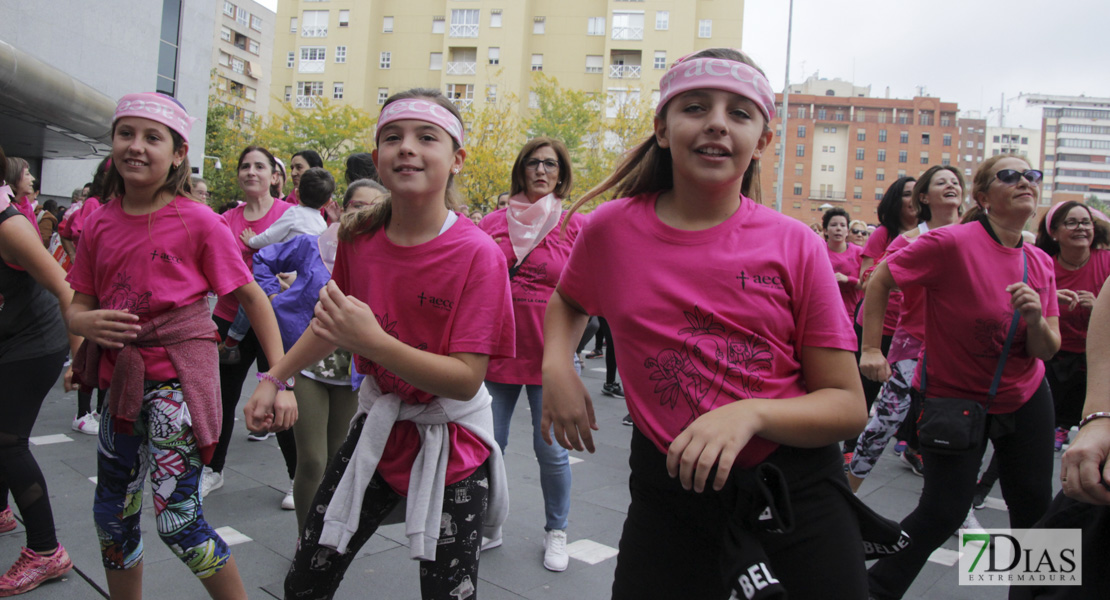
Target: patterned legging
{"x":891,"y":408}
{"x":162,"y":445}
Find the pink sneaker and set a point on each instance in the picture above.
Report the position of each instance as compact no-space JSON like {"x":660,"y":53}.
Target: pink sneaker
{"x":32,"y":569}
{"x":7,"y":520}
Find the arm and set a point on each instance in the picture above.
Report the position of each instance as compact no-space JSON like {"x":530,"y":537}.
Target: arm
{"x":309,"y":349}
{"x":261,"y":314}
{"x":1083,"y":468}
{"x":274,"y":233}
{"x":833,"y":410}
{"x":1042,"y":333}
{"x":70,"y":249}
{"x":865,"y":264}
{"x":872,"y":364}
{"x":566,"y":403}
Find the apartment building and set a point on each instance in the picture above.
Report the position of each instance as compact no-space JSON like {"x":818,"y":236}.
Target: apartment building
{"x":361,"y":52}
{"x":973,"y":144}
{"x":1075,"y":147}
{"x":1021,"y":141}
{"x":242,"y":54}
{"x":844,"y":148}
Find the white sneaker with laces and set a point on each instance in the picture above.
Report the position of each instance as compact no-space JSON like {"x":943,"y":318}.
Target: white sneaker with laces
{"x":971,"y":524}
{"x":88,"y":424}
{"x":555,"y":556}
{"x":493,"y":542}
{"x":287,"y":501}
{"x":210,"y":481}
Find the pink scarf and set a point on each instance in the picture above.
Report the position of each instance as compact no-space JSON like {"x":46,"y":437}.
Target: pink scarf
{"x":530,"y":222}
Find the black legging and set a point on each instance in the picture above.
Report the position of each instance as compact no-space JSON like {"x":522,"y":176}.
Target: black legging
{"x":84,"y":401}
{"x":231,"y":387}
{"x":26,"y":383}
{"x":1025,"y":471}
{"x":603,"y":332}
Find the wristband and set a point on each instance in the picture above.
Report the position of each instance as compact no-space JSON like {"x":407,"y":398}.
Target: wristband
{"x":1092,"y":417}
{"x":281,"y":385}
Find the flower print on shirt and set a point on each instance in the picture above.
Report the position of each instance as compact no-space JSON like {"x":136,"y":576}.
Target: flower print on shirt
{"x":710,"y":362}
{"x":387,"y":381}
{"x":122,"y":297}
{"x":991,"y":334}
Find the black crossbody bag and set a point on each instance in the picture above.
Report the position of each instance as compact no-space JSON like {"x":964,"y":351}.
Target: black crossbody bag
{"x":955,"y":425}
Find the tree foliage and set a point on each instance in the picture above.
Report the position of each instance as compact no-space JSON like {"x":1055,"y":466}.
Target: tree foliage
{"x":493,"y":137}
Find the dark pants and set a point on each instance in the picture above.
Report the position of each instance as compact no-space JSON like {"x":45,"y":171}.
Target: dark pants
{"x":317,"y":570}
{"x":1024,"y":454}
{"x":673,"y":539}
{"x":1067,"y":376}
{"x":231,"y":388}
{"x":603,"y":332}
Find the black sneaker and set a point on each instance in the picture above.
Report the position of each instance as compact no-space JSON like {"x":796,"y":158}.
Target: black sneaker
{"x":595,"y":354}
{"x":230,"y":356}
{"x":979,"y":500}
{"x":613,"y":389}
{"x":627,"y":420}
{"x":913,"y":460}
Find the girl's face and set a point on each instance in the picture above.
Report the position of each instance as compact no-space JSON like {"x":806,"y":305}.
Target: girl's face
{"x":837,"y":231}
{"x":200,"y":190}
{"x":909,"y":213}
{"x":944,"y":190}
{"x":25,"y":186}
{"x":416,"y":158}
{"x":297,"y":167}
{"x":255,"y":174}
{"x":1077,"y":230}
{"x":142,"y":152}
{"x":713,"y":135}
{"x":365,"y":197}
{"x":540,"y":179}
{"x":1017,"y":200}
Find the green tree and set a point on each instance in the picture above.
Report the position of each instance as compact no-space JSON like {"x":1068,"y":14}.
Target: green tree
{"x":626,"y":123}
{"x":1093,"y":202}
{"x":493,"y":137}
{"x":561,"y":113}
{"x":226,"y":134}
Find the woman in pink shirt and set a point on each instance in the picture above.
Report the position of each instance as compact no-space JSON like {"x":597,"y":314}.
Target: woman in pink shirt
{"x":736,"y":356}
{"x":20,"y":180}
{"x":845,"y":257}
{"x":301,"y":162}
{"x":978,"y":277}
{"x":536,"y":248}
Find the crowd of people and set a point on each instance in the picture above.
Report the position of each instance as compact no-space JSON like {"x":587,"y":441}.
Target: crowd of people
{"x":760,"y":362}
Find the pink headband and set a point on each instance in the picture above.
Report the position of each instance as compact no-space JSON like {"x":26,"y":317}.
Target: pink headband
{"x":158,"y":108}
{"x":717,"y":74}
{"x":421,"y":110}
{"x":1052,"y":211}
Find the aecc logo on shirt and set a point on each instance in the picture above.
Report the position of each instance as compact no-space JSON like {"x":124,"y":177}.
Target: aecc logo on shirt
{"x":440,"y":303}
{"x":769,"y":281}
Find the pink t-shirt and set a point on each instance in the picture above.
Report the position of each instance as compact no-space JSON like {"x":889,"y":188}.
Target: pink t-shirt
{"x":965,"y":274}
{"x":227,"y":306}
{"x":532,"y":286}
{"x":24,"y":206}
{"x":912,"y":317}
{"x":1089,"y":277}
{"x":448,"y":295}
{"x":875,"y":249}
{"x":706,"y":318}
{"x":149,"y":264}
{"x":79,"y":220}
{"x":848,"y":263}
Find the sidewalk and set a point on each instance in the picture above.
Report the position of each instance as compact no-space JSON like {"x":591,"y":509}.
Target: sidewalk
{"x":248,"y":514}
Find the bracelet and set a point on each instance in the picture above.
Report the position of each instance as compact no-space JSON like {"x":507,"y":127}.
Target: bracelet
{"x":281,"y":385}
{"x":1092,"y":417}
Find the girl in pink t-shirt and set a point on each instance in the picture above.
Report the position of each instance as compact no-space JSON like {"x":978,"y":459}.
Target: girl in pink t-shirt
{"x":845,"y":257}
{"x":736,"y":356}
{"x":978,"y":277}
{"x":421,"y":298}
{"x":145,"y":265}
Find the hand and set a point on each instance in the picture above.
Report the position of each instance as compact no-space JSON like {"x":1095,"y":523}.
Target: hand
{"x":873,"y":365}
{"x":1026,"y":301}
{"x":715,"y":438}
{"x":1086,"y":299}
{"x":269,"y":409}
{"x":67,"y":380}
{"x":286,"y":279}
{"x":568,"y":412}
{"x":246,"y":235}
{"x":1069,"y":297}
{"x":108,"y":328}
{"x":840,"y":277}
{"x":1083,"y":469}
{"x":285,"y":411}
{"x":345,"y":321}
{"x":331,"y":210}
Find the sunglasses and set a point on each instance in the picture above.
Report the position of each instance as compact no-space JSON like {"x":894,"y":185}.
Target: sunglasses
{"x":858,"y":232}
{"x":1011,"y":177}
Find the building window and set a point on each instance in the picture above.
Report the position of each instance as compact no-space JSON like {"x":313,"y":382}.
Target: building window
{"x":859,"y":172}
{"x":797,"y":189}
{"x":225,"y":59}
{"x":878,"y":193}
{"x":660,"y":59}
{"x":225,"y":34}
{"x":857,"y":193}
{"x":947,"y":139}
{"x":1024,"y":141}
{"x":242,"y":17}
{"x":925,"y":139}
{"x":539,"y":25}
{"x":945,"y":159}
{"x":229,"y":9}
{"x":292,"y":24}
{"x":168,"y":47}
{"x":595,"y":26}
{"x":256,"y":23}
{"x":464,"y":23}
{"x":337,"y":91}
{"x":801,"y":131}
{"x":628,"y":25}
{"x":801,"y":112}
{"x":435,"y":61}
{"x":252,"y":46}
{"x":383,"y":95}
{"x":595,"y":64}
{"x":904,"y":137}
{"x":495,"y":17}
{"x":288,"y":93}
{"x":340,"y":54}
{"x":312,"y":59}
{"x":494,"y":55}
{"x":881,"y":155}
{"x":882,"y":135}
{"x":705,"y":28}
{"x":309,"y":93}
{"x":491,"y":93}
{"x":946,"y":121}
{"x":799,"y":169}
{"x":859,"y":153}
{"x":902,"y":156}
{"x":901,"y":173}
{"x":387,"y":24}
{"x":800,"y":150}
{"x":822,"y":115}
{"x":880,"y":174}
{"x":438,"y":25}
{"x":314,"y":23}
{"x":924,"y":158}
{"x":537,"y":62}
{"x":344,"y":18}
{"x":384,"y":60}
{"x":533,"y":100}
{"x":290,"y":59}
{"x":662,"y":20}
{"x":461,"y":94}
{"x":861,"y":135}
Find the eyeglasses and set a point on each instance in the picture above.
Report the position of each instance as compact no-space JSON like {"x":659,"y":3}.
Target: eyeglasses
{"x":1011,"y":177}
{"x":858,"y":232}
{"x":534,"y":164}
{"x":1074,"y":224}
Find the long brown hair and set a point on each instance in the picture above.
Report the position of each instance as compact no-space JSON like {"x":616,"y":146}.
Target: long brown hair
{"x":368,"y":221}
{"x":647,"y":167}
{"x":177,"y":180}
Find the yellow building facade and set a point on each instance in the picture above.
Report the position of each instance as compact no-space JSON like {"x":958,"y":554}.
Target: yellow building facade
{"x":361,"y":51}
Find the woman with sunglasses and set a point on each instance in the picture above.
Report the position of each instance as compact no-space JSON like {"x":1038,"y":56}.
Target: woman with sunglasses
{"x":537,"y":246}
{"x":857,"y":233}
{"x":978,"y":277}
{"x":1069,"y":234}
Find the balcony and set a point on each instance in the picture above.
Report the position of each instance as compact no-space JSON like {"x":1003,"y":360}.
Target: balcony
{"x":462,"y":68}
{"x":314,"y":31}
{"x":462,"y":103}
{"x":624,"y":71}
{"x":311,"y":66}
{"x":463,"y":31}
{"x":628,"y":33}
{"x":826,"y":195}
{"x":307,"y":101}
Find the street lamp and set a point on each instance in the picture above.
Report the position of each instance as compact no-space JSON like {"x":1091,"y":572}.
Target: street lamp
{"x":218,"y":166}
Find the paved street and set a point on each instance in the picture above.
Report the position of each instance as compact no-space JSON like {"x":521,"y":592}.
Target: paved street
{"x":247,"y":508}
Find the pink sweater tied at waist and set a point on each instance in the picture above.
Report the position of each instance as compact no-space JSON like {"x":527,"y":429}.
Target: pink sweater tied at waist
{"x":189,"y":336}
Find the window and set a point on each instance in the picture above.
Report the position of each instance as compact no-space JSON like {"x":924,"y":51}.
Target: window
{"x":229,"y":9}
{"x":945,"y":159}
{"x":495,"y":17}
{"x":705,"y":28}
{"x":859,"y":153}
{"x":925,"y":139}
{"x":169,"y":38}
{"x":461,"y":94}
{"x":438,"y":25}
{"x":859,"y":172}
{"x":901,"y":173}
{"x":832,"y":148}
{"x":308,"y":93}
{"x":225,"y":59}
{"x":970,"y":144}
{"x":980,"y":145}
{"x":902,"y":156}
{"x":312,"y":59}
{"x":946,"y":121}
{"x":539,"y":24}
{"x":799,"y":169}
{"x":662,"y":20}
{"x":660,"y":59}
{"x":880,"y":174}
{"x":225,"y":34}
{"x":822,"y":115}
{"x":801,"y":112}
{"x":292,"y":24}
{"x":904,"y":137}
{"x":384,"y":60}
{"x":315,"y":23}
{"x":824,"y":148}
{"x":832,"y":168}
{"x":387,"y":24}
{"x":595,"y":64}
{"x":242,"y":17}
{"x":878,"y":193}
{"x":491,"y":93}
{"x":797,"y":189}
{"x":1024,"y":141}
{"x":595,"y":26}
{"x":252,"y":46}
{"x":628,"y":25}
{"x":383,"y":95}
{"x":801,"y":131}
{"x":533,"y":100}
{"x":947,"y":139}
{"x":924,"y":158}
{"x":881,"y":155}
{"x":857,"y":193}
{"x":882,"y":135}
{"x":861,"y":135}
{"x":839,"y":116}
{"x":494,"y":55}
{"x":337,"y":90}
{"x":344,"y":18}
{"x":435,"y":61}
{"x":290,"y":59}
{"x":288,"y":93}
{"x":537,"y":62}
{"x":800,"y":150}
{"x":464,"y":23}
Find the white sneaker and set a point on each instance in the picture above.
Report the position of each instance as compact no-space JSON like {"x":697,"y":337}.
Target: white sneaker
{"x":493,"y":542}
{"x":210,"y":481}
{"x":287,"y":501}
{"x":260,"y":436}
{"x":971,"y":524}
{"x":555,"y":556}
{"x":88,"y":424}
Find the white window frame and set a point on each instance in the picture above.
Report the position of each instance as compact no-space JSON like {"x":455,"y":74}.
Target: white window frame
{"x":659,"y":54}
{"x":495,"y":17}
{"x":383,"y":95}
{"x":435,"y":61}
{"x":595,"y":26}
{"x":256,"y":23}
{"x":595,"y":63}
{"x":291,"y":59}
{"x":242,"y":17}
{"x":344,"y":18}
{"x":387,"y":24}
{"x":628,"y":25}
{"x":439,"y":24}
{"x":494,"y":55}
{"x":385,"y":60}
{"x":225,"y":34}
{"x":312,"y":27}
{"x":253,"y":46}
{"x":537,"y":62}
{"x":705,"y":28}
{"x":340,"y":54}
{"x":337,"y":90}
{"x":539,"y":25}
{"x":662,"y":20}
{"x":292,"y":24}
{"x":465,"y":22}
{"x":229,"y":9}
